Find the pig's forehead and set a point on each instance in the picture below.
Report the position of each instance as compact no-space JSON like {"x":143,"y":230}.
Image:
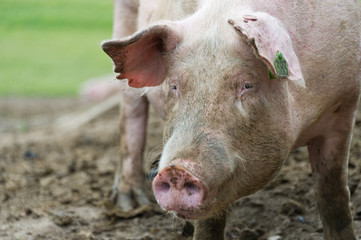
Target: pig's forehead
{"x":214,"y":44}
{"x":211,"y":48}
{"x":210,"y":26}
{"x":213,"y":54}
{"x":210,"y":37}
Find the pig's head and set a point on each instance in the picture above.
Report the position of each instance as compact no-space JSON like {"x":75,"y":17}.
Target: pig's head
{"x":229,"y":126}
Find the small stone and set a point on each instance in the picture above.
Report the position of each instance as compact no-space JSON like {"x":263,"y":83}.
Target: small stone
{"x":62,"y":219}
{"x":29,"y":155}
{"x":301,"y":219}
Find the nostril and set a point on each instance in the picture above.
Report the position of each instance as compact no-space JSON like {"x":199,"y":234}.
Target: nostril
{"x":190,"y":187}
{"x":163,"y":187}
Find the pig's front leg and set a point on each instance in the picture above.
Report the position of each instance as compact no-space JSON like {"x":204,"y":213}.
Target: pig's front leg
{"x":130,"y":192}
{"x":329,"y":161}
{"x":210,"y":229}
{"x":129,"y":186}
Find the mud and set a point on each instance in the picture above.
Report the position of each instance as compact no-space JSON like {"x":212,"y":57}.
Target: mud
{"x":53,"y":183}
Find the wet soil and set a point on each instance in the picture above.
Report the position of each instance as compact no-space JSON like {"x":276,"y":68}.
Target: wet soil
{"x":53,"y":182}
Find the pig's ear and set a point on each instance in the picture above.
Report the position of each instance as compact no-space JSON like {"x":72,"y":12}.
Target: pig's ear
{"x":141,"y":57}
{"x":271,"y":43}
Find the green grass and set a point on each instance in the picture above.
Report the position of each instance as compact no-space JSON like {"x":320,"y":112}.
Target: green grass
{"x":49,"y":47}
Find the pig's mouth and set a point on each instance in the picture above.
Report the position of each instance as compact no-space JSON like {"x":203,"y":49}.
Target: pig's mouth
{"x":186,"y":212}
{"x":191,"y":213}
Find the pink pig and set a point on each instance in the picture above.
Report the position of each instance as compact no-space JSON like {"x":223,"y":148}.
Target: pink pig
{"x":240,"y":84}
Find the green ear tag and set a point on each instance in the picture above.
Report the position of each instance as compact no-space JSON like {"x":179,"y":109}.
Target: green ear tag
{"x":270,"y":75}
{"x":281,"y":65}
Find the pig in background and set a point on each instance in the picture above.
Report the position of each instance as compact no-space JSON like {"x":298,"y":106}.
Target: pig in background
{"x":240,"y":84}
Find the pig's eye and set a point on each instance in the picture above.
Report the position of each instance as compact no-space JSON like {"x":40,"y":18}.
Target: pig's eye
{"x":173,"y":87}
{"x":245,"y":87}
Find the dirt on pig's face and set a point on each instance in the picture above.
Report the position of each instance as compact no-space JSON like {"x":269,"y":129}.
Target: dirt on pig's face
{"x":227,"y":122}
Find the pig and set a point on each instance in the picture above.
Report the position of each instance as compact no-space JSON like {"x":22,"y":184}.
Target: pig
{"x":240,"y":85}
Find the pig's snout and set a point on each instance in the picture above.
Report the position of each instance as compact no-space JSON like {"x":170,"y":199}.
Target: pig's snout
{"x":177,"y":189}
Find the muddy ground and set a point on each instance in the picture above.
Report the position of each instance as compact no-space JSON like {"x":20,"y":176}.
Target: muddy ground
{"x":53,"y":183}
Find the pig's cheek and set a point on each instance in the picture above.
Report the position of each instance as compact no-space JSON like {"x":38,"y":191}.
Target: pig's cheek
{"x":246,"y":103}
{"x":242,"y":100}
{"x":172,"y":103}
{"x":240,"y":106}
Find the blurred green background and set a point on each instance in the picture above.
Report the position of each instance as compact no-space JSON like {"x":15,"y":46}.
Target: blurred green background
{"x":49,"y":47}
